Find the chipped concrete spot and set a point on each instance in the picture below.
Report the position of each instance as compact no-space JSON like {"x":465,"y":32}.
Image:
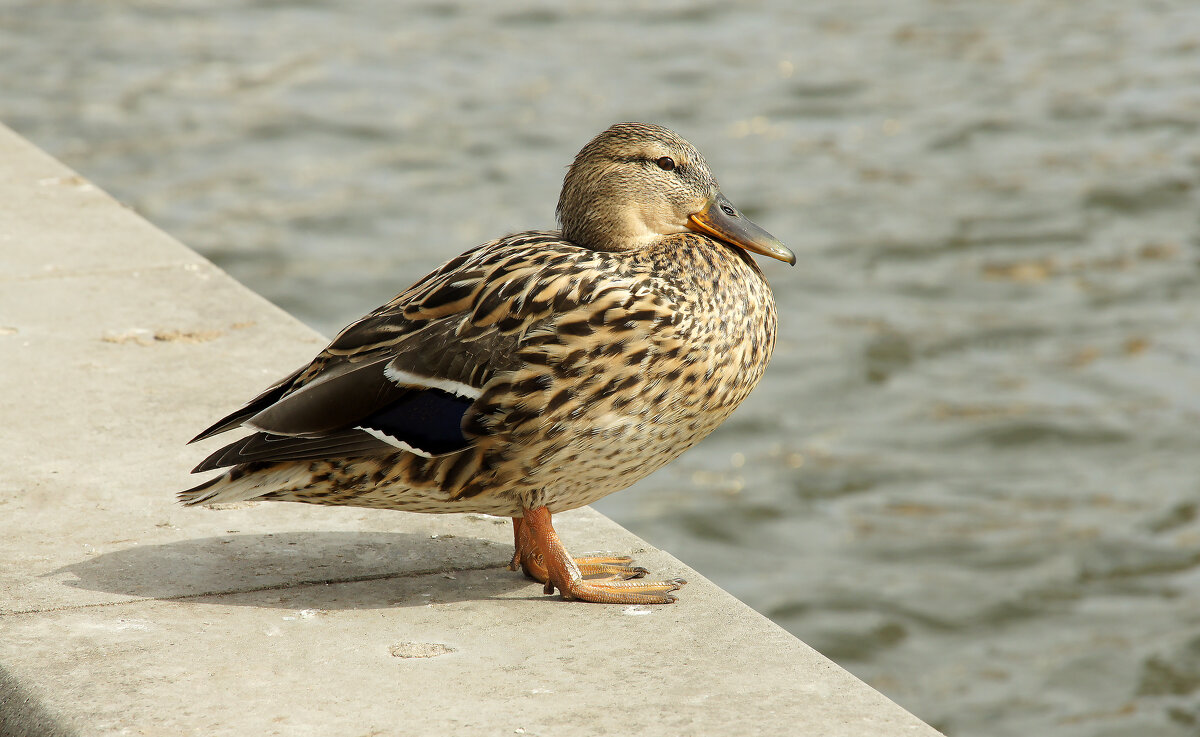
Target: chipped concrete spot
{"x":140,"y":336}
{"x":419,"y":649}
{"x":488,"y":518}
{"x":68,"y":181}
{"x":303,"y":614}
{"x":637,"y":610}
{"x":119,"y":625}
{"x":221,"y":506}
{"x":188,"y":336}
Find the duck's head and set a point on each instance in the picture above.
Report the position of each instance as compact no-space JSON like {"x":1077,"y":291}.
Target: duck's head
{"x":636,"y":182}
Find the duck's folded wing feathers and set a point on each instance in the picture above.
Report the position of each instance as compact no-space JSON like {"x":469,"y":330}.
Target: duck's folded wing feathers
{"x":369,"y":410}
{"x":401,"y":377}
{"x":263,"y":446}
{"x":406,"y":376}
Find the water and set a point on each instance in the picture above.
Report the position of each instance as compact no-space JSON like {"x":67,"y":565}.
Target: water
{"x":971,"y":475}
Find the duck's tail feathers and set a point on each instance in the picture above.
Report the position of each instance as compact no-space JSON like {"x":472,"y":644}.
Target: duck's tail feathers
{"x":246,"y":482}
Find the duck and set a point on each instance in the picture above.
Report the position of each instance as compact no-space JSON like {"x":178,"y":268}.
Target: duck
{"x":536,"y":373}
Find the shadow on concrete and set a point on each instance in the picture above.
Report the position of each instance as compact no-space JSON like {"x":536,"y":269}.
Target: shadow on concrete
{"x":21,"y":715}
{"x":291,"y":570}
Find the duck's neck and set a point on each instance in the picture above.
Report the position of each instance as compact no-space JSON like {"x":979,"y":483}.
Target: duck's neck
{"x":606,"y":231}
{"x":619,"y":226}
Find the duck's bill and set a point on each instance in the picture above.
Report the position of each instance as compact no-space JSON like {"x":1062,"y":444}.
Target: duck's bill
{"x":722,"y":221}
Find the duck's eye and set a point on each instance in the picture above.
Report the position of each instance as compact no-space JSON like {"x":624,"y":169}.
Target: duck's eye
{"x":666,"y":163}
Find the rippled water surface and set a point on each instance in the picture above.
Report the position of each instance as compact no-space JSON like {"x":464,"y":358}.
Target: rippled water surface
{"x":971,"y":474}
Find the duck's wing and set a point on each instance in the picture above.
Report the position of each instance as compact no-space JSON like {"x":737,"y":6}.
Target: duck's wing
{"x":405,"y":376}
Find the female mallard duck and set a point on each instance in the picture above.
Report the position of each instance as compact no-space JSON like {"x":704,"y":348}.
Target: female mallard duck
{"x":535,"y":373}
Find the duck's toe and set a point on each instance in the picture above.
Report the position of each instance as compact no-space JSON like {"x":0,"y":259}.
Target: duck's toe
{"x":621,"y":592}
{"x":609,"y":568}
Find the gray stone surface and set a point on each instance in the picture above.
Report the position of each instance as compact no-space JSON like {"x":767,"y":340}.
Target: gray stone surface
{"x":123,"y":613}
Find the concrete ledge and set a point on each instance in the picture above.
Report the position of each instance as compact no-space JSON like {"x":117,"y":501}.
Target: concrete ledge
{"x":123,"y":613}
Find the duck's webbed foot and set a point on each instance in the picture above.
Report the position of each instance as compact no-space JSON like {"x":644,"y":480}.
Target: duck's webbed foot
{"x":601,"y":579}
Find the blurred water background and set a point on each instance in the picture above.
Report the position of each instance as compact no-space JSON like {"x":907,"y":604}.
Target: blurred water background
{"x":971,"y":474}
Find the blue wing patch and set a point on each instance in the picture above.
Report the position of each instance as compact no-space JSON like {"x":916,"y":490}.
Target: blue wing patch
{"x":430,"y":421}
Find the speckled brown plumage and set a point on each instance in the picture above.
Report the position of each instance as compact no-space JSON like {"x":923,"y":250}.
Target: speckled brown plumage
{"x":545,"y":369}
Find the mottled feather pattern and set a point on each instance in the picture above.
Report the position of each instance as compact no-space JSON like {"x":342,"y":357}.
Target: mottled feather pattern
{"x":595,"y":370}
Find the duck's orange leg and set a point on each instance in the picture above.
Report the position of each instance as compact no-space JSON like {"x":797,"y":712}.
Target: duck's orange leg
{"x":542,"y":555}
{"x":528,"y":558}
{"x":515,"y":563}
